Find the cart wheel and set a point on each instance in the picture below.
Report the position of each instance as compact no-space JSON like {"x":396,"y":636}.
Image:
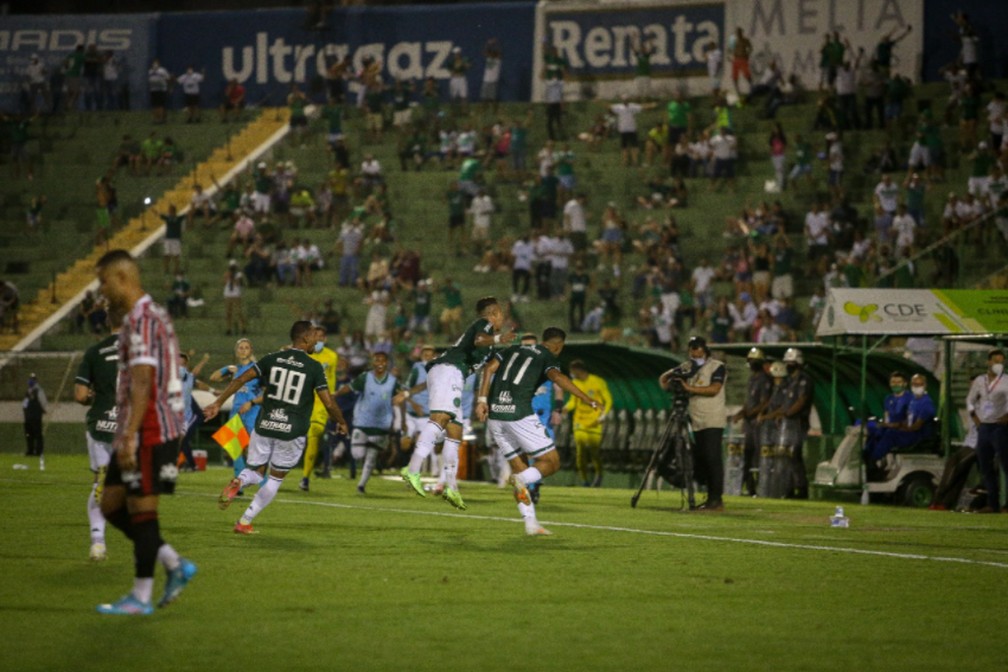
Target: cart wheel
{"x":917,"y":491}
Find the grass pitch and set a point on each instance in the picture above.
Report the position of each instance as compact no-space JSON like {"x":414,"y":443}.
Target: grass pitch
{"x":390,"y":581}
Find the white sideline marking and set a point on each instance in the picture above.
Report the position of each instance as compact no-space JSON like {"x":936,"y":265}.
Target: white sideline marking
{"x":676,"y":535}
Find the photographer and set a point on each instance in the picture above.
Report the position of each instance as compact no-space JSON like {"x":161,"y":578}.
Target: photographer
{"x":703,"y":378}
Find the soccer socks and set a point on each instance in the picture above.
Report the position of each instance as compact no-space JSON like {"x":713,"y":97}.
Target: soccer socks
{"x":424,"y":445}
{"x":267,"y":491}
{"x":370,"y":459}
{"x":527,"y":512}
{"x":449,"y":463}
{"x":95,"y":517}
{"x":530,"y":476}
{"x":120,"y":519}
{"x":146,"y":540}
{"x":249,"y":477}
{"x":168,"y":556}
{"x":143,"y":588}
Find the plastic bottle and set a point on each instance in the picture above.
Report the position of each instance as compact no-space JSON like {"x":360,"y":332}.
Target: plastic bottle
{"x":838,"y":519}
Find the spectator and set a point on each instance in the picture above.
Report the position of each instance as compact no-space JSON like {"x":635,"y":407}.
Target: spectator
{"x":34,"y":405}
{"x":178,"y":301}
{"x":778,"y":154}
{"x":10,"y":303}
{"x":172,"y":244}
{"x":642,"y":50}
{"x":191,"y":81}
{"x":724,"y":149}
{"x":234,"y":312}
{"x":114,"y":94}
{"x":73,"y":67}
{"x":489,"y":92}
{"x":743,"y":314}
{"x":523,"y":255}
{"x":458,"y":85}
{"x":37,"y":75}
{"x":296,"y":103}
{"x":157,"y":84}
{"x":377,"y":315}
{"x":846,"y":90}
{"x":554,"y":69}
{"x":741,"y":49}
{"x":451,"y":314}
{"x":835,"y":158}
{"x":350,"y":239}
{"x":713,"y":56}
{"x":481,"y":209}
{"x":233,"y":101}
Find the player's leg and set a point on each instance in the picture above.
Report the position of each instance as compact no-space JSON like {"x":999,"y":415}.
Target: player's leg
{"x":99,"y":454}
{"x":315,"y":431}
{"x":259,"y":452}
{"x":449,"y":464}
{"x":284,"y":456}
{"x":581,"y":440}
{"x":595,"y":455}
{"x":371,"y":453}
{"x":358,"y":451}
{"x":525,"y":436}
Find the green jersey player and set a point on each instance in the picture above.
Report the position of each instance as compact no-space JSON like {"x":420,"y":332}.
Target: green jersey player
{"x":95,"y":387}
{"x":445,"y":376}
{"x":290,"y":379}
{"x":509,"y":383}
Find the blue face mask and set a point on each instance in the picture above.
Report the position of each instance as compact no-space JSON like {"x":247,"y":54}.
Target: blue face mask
{"x":319,"y":346}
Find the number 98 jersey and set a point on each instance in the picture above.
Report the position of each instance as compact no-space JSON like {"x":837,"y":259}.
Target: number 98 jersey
{"x":289,"y":379}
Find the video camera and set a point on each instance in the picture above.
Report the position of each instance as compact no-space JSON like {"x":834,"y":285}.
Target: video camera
{"x":677,"y":376}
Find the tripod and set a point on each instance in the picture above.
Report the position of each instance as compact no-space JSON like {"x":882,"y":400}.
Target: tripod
{"x":672,"y":458}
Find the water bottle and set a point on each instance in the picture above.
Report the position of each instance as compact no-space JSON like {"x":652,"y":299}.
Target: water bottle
{"x":838,"y":519}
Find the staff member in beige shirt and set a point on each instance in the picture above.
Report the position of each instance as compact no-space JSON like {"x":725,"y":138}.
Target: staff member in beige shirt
{"x":987,"y":403}
{"x":708,"y":418}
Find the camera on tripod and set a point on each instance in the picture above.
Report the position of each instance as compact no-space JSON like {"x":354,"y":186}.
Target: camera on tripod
{"x":677,"y":376}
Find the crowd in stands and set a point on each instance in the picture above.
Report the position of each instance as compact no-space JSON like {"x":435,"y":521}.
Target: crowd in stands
{"x":618,"y":266}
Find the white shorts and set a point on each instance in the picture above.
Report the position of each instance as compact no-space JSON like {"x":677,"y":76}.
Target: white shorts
{"x":458,"y":88}
{"x":444,"y":390}
{"x":279,"y":454}
{"x":360,"y":441}
{"x":260,"y":202}
{"x":172,"y":247}
{"x":99,"y":453}
{"x":514,"y":437}
{"x":415,"y":423}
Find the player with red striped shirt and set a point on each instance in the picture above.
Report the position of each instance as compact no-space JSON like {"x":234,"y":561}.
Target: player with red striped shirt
{"x":149,"y":403}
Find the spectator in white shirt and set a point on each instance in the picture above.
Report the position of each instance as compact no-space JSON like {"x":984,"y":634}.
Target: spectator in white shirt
{"x":626,"y":124}
{"x":523,"y":253}
{"x":817,"y":232}
{"x":481,"y":209}
{"x":560,"y":253}
{"x":371,"y":171}
{"x":575,"y":222}
{"x":904,"y":228}
{"x":723,"y":149}
{"x":190,"y":81}
{"x":887,"y":194}
{"x":703,"y":285}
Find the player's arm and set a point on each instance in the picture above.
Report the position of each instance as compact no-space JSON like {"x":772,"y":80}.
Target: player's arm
{"x":482,"y":409}
{"x":334,"y":412}
{"x":563,"y":382}
{"x":607,"y":402}
{"x":406,"y":394}
{"x":83,"y":394}
{"x":141,"y":380}
{"x":211,"y":411}
{"x":796,"y":407}
{"x":195,"y":371}
{"x":484,"y":340}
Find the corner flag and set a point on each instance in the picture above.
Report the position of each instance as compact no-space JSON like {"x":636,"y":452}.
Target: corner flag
{"x":232,"y":436}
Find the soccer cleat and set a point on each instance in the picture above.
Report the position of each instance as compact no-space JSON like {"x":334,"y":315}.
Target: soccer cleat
{"x":537,"y":530}
{"x":521,"y":491}
{"x":232,"y":490}
{"x":126,"y":606}
{"x":304,"y":484}
{"x":243,"y":528}
{"x":360,"y":490}
{"x":178,"y":578}
{"x":452,"y":496}
{"x":413,"y":480}
{"x":98,"y":552}
{"x":41,"y":464}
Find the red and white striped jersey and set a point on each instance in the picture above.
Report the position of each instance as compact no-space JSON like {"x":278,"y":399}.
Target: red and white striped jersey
{"x":148,"y":338}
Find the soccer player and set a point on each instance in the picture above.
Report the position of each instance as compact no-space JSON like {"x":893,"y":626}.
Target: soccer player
{"x":291,"y":381}
{"x":515,"y":427}
{"x":148,"y":425}
{"x":249,"y":397}
{"x":329,"y":361}
{"x":417,"y":408}
{"x":588,"y":420}
{"x":445,"y":376}
{"x":546,"y":403}
{"x":373,"y":414}
{"x":95,"y":387}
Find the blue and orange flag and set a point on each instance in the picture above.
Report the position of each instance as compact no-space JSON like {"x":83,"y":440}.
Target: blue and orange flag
{"x":232,"y":436}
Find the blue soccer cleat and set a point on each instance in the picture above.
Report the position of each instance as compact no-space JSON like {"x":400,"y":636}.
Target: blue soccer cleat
{"x":127,"y":606}
{"x":178,"y":579}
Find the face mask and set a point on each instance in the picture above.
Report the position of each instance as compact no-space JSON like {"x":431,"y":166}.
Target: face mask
{"x":918,"y":391}
{"x":755,"y":366}
{"x":699,"y":361}
{"x":792,"y":368}
{"x":997,"y":369}
{"x":896,"y":389}
{"x":319,"y":346}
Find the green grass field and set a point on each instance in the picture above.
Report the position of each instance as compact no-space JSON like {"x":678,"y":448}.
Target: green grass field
{"x":390,"y":581}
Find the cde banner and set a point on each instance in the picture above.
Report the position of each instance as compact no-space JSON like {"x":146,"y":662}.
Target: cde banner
{"x":598,"y":41}
{"x":268,"y":50}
